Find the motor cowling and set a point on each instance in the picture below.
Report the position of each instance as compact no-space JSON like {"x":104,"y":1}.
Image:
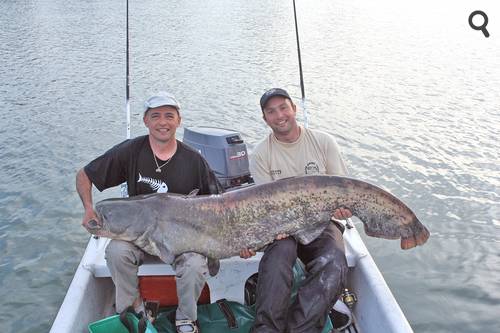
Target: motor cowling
{"x":225,"y":152}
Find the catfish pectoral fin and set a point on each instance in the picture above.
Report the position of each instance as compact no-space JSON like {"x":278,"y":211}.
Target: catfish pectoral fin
{"x":165,"y":255}
{"x":307,"y":235}
{"x":213,"y":266}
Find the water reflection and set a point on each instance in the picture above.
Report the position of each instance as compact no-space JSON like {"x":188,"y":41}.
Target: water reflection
{"x":408,"y":90}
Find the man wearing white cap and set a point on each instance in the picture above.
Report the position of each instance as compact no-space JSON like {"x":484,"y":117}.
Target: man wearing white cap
{"x":156,"y":162}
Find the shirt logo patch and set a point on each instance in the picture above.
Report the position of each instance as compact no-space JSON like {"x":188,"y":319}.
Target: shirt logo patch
{"x":275,"y":172}
{"x":311,"y":168}
{"x":155,"y":184}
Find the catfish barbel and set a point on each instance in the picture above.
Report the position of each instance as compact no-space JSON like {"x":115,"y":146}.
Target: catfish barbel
{"x":219,"y":226}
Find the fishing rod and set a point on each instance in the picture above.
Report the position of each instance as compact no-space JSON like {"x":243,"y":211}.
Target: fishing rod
{"x":302,"y":89}
{"x":123,"y":187}
{"x":127,"y":93}
{"x":349,"y":224}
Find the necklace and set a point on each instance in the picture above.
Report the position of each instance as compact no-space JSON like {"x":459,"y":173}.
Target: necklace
{"x":158,"y":167}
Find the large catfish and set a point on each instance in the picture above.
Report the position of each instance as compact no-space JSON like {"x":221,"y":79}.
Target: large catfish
{"x":219,"y":226}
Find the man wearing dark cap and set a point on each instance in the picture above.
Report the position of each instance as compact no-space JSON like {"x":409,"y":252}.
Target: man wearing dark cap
{"x":156,"y":162}
{"x":292,"y":150}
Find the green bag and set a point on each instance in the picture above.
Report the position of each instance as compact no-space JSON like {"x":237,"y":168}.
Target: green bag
{"x":113,"y":324}
{"x":219,"y":317}
{"x":227,"y":316}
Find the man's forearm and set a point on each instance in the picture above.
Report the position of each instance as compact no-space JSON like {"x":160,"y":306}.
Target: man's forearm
{"x":84,"y":189}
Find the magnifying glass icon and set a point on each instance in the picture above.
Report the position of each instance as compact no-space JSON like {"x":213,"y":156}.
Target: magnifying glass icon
{"x":481,"y":27}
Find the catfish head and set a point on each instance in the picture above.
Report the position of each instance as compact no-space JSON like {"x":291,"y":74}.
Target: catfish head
{"x":117,"y":219}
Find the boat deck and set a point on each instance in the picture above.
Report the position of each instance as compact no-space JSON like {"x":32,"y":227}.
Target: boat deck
{"x":90,"y":296}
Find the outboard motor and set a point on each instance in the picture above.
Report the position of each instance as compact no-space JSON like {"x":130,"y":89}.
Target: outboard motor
{"x":225,"y":152}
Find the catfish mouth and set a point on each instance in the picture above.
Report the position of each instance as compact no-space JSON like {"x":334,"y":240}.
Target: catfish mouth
{"x":96,"y":226}
{"x":106,"y":223}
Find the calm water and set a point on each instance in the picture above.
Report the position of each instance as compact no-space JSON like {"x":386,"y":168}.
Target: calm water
{"x":409,"y":90}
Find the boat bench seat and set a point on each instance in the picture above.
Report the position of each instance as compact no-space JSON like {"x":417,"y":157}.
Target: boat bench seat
{"x":154,"y":266}
{"x":234,"y":269}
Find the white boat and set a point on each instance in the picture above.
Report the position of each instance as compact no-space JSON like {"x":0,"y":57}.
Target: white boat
{"x":90,"y":296}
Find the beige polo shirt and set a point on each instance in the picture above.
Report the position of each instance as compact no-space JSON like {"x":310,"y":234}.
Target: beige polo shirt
{"x":314,"y":153}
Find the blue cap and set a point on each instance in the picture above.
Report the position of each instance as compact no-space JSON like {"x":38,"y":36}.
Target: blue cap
{"x":272,"y":93}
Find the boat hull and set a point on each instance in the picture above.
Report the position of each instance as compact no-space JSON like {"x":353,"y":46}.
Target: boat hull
{"x":90,"y":296}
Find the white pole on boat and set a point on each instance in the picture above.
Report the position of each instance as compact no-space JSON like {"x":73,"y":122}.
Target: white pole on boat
{"x":123,"y":187}
{"x":302,"y":89}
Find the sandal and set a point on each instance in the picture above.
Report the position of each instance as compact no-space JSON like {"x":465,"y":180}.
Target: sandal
{"x":151,"y":309}
{"x":190,"y":325}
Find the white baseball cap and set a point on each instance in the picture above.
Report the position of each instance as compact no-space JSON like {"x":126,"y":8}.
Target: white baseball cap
{"x":162,"y":98}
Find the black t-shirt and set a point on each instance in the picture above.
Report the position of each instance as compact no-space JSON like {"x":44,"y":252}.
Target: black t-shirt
{"x":132,"y":161}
